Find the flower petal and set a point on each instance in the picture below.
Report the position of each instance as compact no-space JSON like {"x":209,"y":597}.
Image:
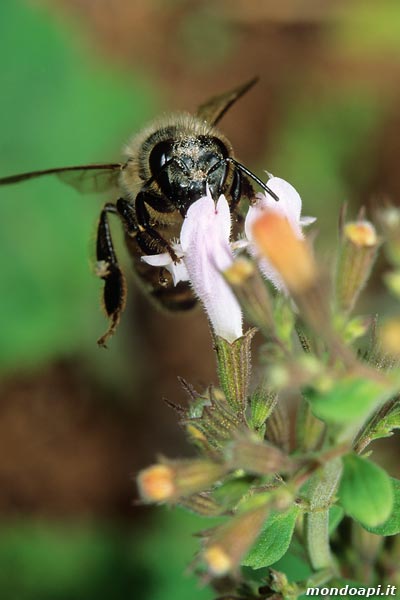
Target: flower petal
{"x":157,"y":260}
{"x":177,"y":270}
{"x":205,"y":243}
{"x":306,"y":221}
{"x":289,"y":207}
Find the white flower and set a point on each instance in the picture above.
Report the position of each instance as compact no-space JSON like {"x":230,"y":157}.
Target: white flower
{"x":288,"y":206}
{"x":177,"y":270}
{"x":205,"y":253}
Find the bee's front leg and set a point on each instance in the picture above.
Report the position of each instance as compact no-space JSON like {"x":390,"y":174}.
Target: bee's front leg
{"x":148,"y":238}
{"x":114,"y":294}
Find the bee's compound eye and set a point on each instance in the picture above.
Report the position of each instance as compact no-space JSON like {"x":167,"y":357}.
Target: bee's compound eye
{"x":159,"y":156}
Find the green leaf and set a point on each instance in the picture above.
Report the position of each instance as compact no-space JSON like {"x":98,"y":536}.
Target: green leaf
{"x":366,"y":491}
{"x":336,"y":514}
{"x":274,"y":539}
{"x":385,"y":424}
{"x":392,"y":525}
{"x":382,"y":424}
{"x":348,"y":399}
{"x":352,"y":329}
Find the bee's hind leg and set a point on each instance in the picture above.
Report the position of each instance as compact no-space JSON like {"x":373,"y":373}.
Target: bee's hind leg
{"x":114,"y":293}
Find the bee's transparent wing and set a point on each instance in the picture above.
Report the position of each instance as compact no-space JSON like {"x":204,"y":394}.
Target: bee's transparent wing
{"x":215,"y":108}
{"x":84,"y":178}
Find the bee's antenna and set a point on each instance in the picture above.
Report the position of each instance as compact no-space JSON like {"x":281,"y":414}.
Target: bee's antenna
{"x":254,"y":177}
{"x":245,"y":170}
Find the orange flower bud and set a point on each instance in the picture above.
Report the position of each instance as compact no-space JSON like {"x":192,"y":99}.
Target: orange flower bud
{"x":286,"y":252}
{"x":156,"y":484}
{"x":361,"y":233}
{"x":172,"y":480}
{"x":231,"y":541}
{"x":358,"y":250}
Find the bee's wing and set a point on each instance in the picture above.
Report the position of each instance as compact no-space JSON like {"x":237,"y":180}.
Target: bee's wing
{"x":215,"y":108}
{"x":85,"y":178}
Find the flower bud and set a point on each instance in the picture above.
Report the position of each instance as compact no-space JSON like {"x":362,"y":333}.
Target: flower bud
{"x":170,"y":480}
{"x":252,"y":294}
{"x":231,"y":542}
{"x":260,"y":458}
{"x":202,"y":504}
{"x":262,"y":404}
{"x":389,"y":336}
{"x":356,"y":258}
{"x":291,"y":257}
{"x":287,"y":253}
{"x":156,"y":483}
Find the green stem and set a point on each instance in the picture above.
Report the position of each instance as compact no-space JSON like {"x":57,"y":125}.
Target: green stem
{"x":322,"y":488}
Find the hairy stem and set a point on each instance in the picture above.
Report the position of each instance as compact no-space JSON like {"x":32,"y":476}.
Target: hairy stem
{"x":316,"y":523}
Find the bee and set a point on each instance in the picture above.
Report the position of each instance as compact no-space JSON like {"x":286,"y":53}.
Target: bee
{"x":166,"y":168}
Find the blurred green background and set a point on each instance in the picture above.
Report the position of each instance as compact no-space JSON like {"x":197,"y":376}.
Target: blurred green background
{"x":79,"y":77}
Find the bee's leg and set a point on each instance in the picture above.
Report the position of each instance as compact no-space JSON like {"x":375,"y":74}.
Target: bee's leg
{"x":114,"y":294}
{"x":148,"y":238}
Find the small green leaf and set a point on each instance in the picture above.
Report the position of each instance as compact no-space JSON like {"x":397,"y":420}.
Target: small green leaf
{"x":366,"y":491}
{"x":392,"y":525}
{"x":336,"y":514}
{"x":386,"y":424}
{"x":354,"y":328}
{"x":274,"y":539}
{"x":382,"y":424}
{"x":349,"y":398}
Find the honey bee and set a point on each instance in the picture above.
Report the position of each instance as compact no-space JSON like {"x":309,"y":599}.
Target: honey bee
{"x":167,"y":167}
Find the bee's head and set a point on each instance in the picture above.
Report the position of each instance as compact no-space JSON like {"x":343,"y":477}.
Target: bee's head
{"x":183,"y":168}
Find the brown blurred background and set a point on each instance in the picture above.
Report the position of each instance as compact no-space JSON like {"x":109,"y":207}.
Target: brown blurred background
{"x":79,"y":77}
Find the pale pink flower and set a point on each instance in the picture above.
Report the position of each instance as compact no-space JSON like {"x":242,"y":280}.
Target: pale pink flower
{"x":288,"y":206}
{"x":205,"y":243}
{"x":205,"y":253}
{"x":178,"y":270}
